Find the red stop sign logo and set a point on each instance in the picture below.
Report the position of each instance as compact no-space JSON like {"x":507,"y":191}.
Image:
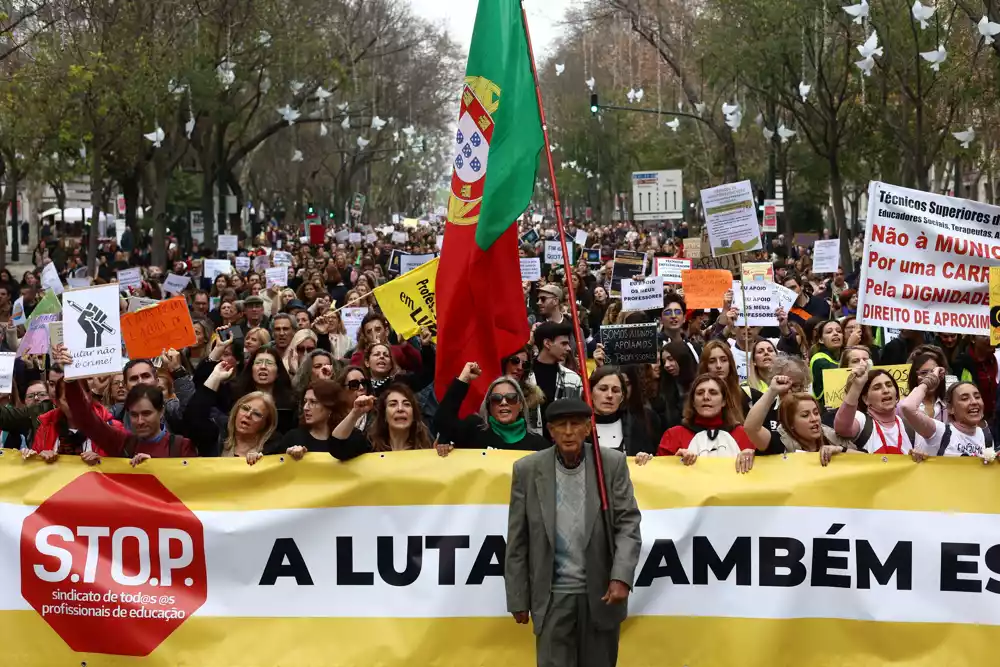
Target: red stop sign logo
{"x":113,"y":563}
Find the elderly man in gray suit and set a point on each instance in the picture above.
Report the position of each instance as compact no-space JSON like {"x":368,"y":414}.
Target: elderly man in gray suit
{"x":566,"y":564}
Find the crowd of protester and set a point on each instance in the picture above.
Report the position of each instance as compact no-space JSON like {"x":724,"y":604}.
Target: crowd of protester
{"x":274,"y":371}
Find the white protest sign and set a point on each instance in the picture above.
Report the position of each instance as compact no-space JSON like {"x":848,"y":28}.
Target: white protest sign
{"x":75,"y":282}
{"x":129,"y":278}
{"x":642,"y":294}
{"x":758,"y":310}
{"x":17,"y":315}
{"x":409,"y":262}
{"x":342,"y":235}
{"x":354,"y":237}
{"x":531,"y":269}
{"x":351,"y":317}
{"x":670,"y":268}
{"x":138,"y":303}
{"x":399,"y":237}
{"x":92,"y":331}
{"x":740,"y":357}
{"x":826,"y":256}
{"x":242,"y":264}
{"x":786,"y":298}
{"x":175,"y":284}
{"x":553,"y":252}
{"x":215,"y":267}
{"x":7,"y":360}
{"x":303,"y":240}
{"x":926,"y":259}
{"x":276,"y":277}
{"x":439,"y":241}
{"x":371,"y":237}
{"x":55,"y":335}
{"x":281,"y":258}
{"x":261,"y":262}
{"x":229,"y":242}
{"x":580,"y":238}
{"x":50,"y":278}
{"x":731,"y":218}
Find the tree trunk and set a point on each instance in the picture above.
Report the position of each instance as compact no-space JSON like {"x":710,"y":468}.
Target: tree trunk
{"x":207,"y":203}
{"x":839,"y":215}
{"x":130,"y":190}
{"x":96,"y":182}
{"x":160,"y":191}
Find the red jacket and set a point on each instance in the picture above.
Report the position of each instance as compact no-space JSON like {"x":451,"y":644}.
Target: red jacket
{"x":710,"y":438}
{"x":47,"y":432}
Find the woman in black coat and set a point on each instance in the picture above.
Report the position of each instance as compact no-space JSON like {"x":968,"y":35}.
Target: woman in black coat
{"x":500,"y":423}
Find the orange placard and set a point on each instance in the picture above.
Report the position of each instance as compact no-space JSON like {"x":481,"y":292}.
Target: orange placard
{"x":705,"y":288}
{"x":150,"y":331}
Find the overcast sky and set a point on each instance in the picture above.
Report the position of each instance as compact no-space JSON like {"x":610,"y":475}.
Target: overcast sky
{"x":544,"y":19}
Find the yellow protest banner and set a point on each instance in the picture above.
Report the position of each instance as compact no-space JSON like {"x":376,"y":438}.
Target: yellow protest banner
{"x":995,"y":305}
{"x":835,"y":382}
{"x":397,"y":559}
{"x":408,"y":302}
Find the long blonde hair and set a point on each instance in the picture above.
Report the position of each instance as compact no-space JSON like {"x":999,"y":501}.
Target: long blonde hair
{"x":270,"y":422}
{"x":292,"y":357}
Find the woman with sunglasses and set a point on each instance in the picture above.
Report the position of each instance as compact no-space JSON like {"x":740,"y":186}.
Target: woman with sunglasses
{"x":500,"y":423}
{"x":396,"y":425}
{"x":518,"y":367}
{"x":324,"y":405}
{"x":303,"y":342}
{"x":354,"y":380}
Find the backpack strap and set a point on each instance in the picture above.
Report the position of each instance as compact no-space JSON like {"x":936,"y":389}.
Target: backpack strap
{"x":945,"y":440}
{"x":987,"y":437}
{"x":173,"y":448}
{"x":865,"y":434}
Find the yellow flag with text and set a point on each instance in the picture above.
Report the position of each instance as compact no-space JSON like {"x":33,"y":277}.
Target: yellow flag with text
{"x":408,"y":302}
{"x":995,"y":305}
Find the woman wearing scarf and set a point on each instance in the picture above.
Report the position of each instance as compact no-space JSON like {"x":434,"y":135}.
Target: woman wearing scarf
{"x":618,"y":427}
{"x":500,"y":423}
{"x":711,"y":427}
{"x":383,"y":371}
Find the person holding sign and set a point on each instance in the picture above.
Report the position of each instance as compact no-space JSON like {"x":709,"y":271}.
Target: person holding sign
{"x":710,"y":428}
{"x":963,"y":435}
{"x":828,"y":341}
{"x":500,"y":424}
{"x":800,"y":427}
{"x":868,"y":414}
{"x":144,"y":404}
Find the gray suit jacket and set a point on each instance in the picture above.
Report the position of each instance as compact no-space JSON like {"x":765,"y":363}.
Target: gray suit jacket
{"x":530,"y":559}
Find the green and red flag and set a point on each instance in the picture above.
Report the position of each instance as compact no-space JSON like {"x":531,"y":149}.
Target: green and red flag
{"x":480,"y":306}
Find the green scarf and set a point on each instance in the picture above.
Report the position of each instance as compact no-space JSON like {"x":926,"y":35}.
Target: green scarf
{"x":509,"y":433}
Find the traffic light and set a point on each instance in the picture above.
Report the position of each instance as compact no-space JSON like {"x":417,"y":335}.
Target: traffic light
{"x":332,"y":215}
{"x":594,"y":106}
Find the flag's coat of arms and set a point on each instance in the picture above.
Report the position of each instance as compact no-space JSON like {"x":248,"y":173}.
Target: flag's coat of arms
{"x":480,"y":99}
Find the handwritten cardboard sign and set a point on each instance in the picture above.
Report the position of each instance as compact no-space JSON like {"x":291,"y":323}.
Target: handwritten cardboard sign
{"x":705,"y":288}
{"x":150,"y":331}
{"x":630,"y":343}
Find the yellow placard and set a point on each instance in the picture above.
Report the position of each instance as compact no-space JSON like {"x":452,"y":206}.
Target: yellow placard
{"x":995,"y":305}
{"x":763,"y":271}
{"x":835,"y":382}
{"x":408,"y":302}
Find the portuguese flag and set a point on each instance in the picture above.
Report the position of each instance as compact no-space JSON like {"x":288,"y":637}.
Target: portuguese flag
{"x":480,"y":306}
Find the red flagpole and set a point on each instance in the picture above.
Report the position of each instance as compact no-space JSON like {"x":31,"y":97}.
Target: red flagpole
{"x":580,"y":349}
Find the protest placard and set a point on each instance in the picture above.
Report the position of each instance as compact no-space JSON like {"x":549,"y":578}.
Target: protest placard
{"x":92,"y":331}
{"x":342,"y":235}
{"x":642,"y":294}
{"x":150,"y":331}
{"x":175,"y":284}
{"x":76,"y":283}
{"x":439,"y":241}
{"x":228,"y":243}
{"x":630,"y":343}
{"x":592,"y":256}
{"x":835,"y":382}
{"x":409,"y":262}
{"x":352,"y":317}
{"x":354,"y":237}
{"x":553,"y":252}
{"x":755,"y":302}
{"x":36,"y":336}
{"x":770,"y":225}
{"x":7,"y":360}
{"x":669,"y":268}
{"x":581,"y":237}
{"x":371,"y":237}
{"x":531,"y":269}
{"x":530,"y":237}
{"x":994,"y":305}
{"x":399,"y":237}
{"x":627,"y":264}
{"x":130,"y":279}
{"x":281,"y":258}
{"x":706,"y":288}
{"x":242,"y":264}
{"x":692,"y":247}
{"x":50,"y":278}
{"x":276,"y":277}
{"x":786,"y":298}
{"x":216,"y":267}
{"x":138,"y":303}
{"x":55,"y":335}
{"x":761,"y":271}
{"x":826,"y":256}
{"x":261,"y":262}
{"x":925,"y":261}
{"x":731,"y":218}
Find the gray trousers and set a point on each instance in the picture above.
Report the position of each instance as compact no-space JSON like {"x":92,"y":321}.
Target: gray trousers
{"x":569,"y":639}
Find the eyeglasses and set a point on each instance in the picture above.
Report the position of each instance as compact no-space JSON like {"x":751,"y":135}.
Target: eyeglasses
{"x":36,"y":396}
{"x":247,"y":410}
{"x":354,"y":385}
{"x":673,"y":311}
{"x":302,"y":349}
{"x":118,"y":383}
{"x":517,"y":361}
{"x":498,"y":399}
{"x":267,"y":363}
